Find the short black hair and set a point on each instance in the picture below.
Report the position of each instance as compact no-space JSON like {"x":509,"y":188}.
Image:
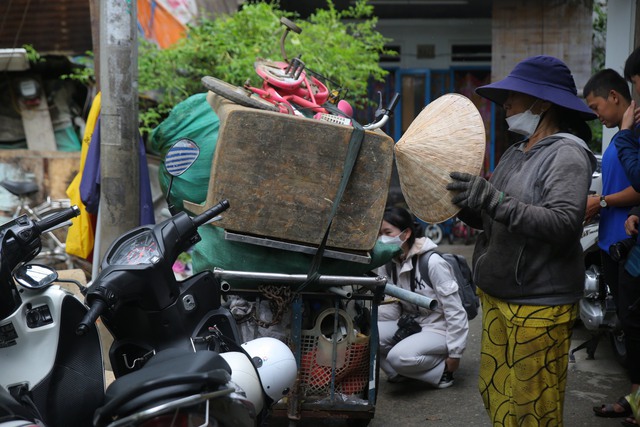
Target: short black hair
{"x":403,"y":219}
{"x":632,"y":65}
{"x":604,"y":81}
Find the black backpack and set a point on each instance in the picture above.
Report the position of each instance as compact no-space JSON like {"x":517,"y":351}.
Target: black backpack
{"x":466,"y":287}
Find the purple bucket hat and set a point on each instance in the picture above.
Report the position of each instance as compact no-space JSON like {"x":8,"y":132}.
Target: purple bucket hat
{"x":544,"y":77}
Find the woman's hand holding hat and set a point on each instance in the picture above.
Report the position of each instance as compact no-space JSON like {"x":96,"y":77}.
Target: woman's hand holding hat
{"x":475,"y":193}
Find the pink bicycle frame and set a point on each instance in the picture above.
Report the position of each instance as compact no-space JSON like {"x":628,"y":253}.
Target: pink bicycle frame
{"x":282,"y":88}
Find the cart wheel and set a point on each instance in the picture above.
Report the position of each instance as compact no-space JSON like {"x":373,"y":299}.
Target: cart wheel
{"x":236,"y":94}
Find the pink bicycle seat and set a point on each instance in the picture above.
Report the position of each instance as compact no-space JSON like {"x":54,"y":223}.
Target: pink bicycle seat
{"x":274,"y":72}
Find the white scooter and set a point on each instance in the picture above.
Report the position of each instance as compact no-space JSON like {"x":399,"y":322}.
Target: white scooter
{"x":55,"y":376}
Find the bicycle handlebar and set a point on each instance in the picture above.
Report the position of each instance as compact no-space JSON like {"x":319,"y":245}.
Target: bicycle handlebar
{"x":289,"y":26}
{"x":383,"y":114}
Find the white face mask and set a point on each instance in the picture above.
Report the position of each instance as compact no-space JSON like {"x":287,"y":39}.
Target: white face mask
{"x":524,"y":123}
{"x":391,"y":240}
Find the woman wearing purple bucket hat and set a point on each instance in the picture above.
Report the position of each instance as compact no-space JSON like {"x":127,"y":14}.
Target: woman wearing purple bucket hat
{"x":528,"y":262}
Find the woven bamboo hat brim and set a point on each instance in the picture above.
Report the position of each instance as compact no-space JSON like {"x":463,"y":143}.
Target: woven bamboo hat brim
{"x":448,"y":135}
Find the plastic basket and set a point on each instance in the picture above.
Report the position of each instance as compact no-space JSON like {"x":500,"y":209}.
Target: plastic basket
{"x":351,"y":361}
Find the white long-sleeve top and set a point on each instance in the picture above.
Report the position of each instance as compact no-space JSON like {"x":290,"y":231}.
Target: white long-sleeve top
{"x":449,"y":318}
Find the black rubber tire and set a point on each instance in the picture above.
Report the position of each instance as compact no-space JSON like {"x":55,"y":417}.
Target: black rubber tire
{"x":619,"y":348}
{"x":236,"y":94}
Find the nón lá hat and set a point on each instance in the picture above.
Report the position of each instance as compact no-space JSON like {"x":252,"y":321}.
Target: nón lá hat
{"x":448,"y":135}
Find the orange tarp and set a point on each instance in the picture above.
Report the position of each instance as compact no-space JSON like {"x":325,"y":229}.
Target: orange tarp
{"x":158,"y":24}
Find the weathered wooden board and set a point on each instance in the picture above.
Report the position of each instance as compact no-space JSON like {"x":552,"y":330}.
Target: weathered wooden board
{"x":281,"y":174}
{"x":38,"y":129}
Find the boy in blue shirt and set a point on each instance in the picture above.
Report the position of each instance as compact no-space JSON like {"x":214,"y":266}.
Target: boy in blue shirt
{"x":607,"y":94}
{"x":628,"y":301}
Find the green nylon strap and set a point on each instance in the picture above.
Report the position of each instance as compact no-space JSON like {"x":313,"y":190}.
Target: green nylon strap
{"x":353,"y":150}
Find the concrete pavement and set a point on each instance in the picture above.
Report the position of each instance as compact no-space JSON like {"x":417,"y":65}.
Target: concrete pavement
{"x":590,"y":383}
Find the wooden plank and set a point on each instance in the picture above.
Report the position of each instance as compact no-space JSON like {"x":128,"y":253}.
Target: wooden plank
{"x":38,"y":129}
{"x":281,"y":174}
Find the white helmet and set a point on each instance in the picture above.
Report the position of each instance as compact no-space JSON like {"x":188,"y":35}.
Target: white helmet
{"x":245,"y":375}
{"x":276,"y":365}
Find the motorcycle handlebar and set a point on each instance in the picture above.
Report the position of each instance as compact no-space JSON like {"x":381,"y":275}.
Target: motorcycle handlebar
{"x":97,"y":308}
{"x":211,"y":213}
{"x":57,"y":218}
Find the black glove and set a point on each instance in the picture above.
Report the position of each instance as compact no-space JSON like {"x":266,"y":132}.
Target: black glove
{"x":475,"y":193}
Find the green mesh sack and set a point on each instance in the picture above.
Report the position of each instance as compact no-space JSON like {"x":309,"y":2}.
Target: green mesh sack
{"x":195,"y":120}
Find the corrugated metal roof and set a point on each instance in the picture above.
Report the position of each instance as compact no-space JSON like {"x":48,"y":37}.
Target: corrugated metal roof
{"x":50,"y":26}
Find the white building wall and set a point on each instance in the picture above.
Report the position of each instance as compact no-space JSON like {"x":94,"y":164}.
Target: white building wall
{"x":621,"y":27}
{"x":441,"y":33}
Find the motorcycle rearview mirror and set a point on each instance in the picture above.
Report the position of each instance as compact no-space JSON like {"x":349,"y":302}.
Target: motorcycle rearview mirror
{"x":35,"y":276}
{"x":179,"y":158}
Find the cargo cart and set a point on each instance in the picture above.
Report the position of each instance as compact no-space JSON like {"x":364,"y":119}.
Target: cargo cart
{"x":336,"y":351}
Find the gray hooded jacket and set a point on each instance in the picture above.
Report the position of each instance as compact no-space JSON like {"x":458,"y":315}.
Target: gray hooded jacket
{"x":530,"y":250}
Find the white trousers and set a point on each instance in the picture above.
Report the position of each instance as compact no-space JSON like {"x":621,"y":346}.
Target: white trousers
{"x":420,"y":356}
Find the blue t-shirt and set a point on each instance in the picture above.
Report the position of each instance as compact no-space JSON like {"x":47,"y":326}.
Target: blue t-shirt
{"x":612,"y":218}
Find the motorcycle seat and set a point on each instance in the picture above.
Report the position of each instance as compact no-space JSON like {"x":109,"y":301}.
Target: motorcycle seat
{"x":168,"y":375}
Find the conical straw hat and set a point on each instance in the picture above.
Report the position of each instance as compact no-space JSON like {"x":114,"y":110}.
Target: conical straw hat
{"x":448,"y":135}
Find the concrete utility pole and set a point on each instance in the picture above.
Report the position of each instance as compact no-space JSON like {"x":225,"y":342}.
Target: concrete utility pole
{"x":119,"y":168}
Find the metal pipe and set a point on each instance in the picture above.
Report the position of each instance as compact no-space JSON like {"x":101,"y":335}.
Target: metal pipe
{"x":410,"y":297}
{"x":340,"y":291}
{"x":280,"y":278}
{"x":370,"y":283}
{"x":225,"y":286}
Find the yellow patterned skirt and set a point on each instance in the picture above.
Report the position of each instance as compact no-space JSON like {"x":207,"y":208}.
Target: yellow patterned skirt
{"x":524,"y":361}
